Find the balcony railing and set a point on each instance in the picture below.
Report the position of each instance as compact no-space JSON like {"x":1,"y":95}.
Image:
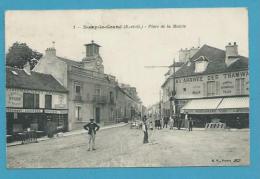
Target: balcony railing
{"x":78,"y":98}
{"x":99,"y":99}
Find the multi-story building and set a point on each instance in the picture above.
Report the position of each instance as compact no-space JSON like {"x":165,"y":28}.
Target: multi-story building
{"x":33,"y":98}
{"x":212,"y":83}
{"x":91,"y":91}
{"x":127,"y":107}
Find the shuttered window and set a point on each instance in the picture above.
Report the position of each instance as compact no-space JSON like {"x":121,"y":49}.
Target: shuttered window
{"x":48,"y":101}
{"x":30,"y":100}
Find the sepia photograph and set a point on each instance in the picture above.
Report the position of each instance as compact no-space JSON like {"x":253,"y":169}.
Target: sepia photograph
{"x":127,"y":88}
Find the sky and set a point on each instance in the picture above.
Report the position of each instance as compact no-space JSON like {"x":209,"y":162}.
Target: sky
{"x":126,"y":51}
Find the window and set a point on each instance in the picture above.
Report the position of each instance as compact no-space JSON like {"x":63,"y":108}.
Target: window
{"x":78,"y":113}
{"x":30,"y":100}
{"x":184,"y":89}
{"x":48,"y":101}
{"x":111,"y":96}
{"x":77,"y":89}
{"x":89,"y":51}
{"x":98,"y":92}
{"x":200,"y":66}
{"x":211,"y":88}
{"x":240,"y":86}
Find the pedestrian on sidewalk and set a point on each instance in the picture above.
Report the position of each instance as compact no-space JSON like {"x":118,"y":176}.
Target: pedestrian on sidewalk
{"x":145,"y":130}
{"x":91,"y":127}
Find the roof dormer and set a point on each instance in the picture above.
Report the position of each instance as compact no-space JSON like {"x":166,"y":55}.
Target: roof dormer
{"x":201,"y":64}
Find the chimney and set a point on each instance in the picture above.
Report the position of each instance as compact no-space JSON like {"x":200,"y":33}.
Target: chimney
{"x":231,"y":53}
{"x":27,"y":68}
{"x":50,"y":51}
{"x":184,"y":55}
{"x":193,"y":51}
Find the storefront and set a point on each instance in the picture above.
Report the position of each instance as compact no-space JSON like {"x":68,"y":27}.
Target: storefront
{"x":234,"y":111}
{"x":32,"y":101}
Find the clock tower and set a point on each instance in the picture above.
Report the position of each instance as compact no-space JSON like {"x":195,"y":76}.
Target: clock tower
{"x":93,"y":61}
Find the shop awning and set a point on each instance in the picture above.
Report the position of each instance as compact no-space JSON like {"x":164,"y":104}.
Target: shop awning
{"x":226,"y":105}
{"x":236,"y":102}
{"x":201,"y":106}
{"x":234,"y":105}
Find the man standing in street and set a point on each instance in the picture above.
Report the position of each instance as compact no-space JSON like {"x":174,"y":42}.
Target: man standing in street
{"x":145,"y":130}
{"x":91,"y":127}
{"x":186,"y":121}
{"x":190,"y":124}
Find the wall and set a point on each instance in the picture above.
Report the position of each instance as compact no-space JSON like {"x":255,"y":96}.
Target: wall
{"x":50,"y":64}
{"x":196,"y":86}
{"x":88,"y":85}
{"x":14,"y":98}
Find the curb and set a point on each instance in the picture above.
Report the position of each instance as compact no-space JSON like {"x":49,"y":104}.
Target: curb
{"x":72,"y":133}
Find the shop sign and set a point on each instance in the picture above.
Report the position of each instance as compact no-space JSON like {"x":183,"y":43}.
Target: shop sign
{"x":216,"y":111}
{"x":53,"y":111}
{"x":14,"y":99}
{"x":15,"y":110}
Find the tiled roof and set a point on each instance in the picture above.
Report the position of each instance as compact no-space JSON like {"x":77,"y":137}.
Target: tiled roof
{"x":216,"y":58}
{"x":216,"y":63}
{"x":18,"y":78}
{"x":70,"y":62}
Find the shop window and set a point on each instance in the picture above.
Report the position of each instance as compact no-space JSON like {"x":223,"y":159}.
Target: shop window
{"x":48,"y":101}
{"x":78,"y":113}
{"x":211,"y":88}
{"x":240,"y":86}
{"x":30,"y":100}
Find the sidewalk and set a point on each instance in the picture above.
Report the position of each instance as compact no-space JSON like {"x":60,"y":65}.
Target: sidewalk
{"x":66,"y":134}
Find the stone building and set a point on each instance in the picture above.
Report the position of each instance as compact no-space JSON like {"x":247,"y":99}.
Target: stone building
{"x":91,"y":91}
{"x":213,"y":83}
{"x":33,"y":98}
{"x":127,"y":107}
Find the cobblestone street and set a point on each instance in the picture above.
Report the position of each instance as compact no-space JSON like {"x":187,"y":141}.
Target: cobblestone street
{"x":122,"y":147}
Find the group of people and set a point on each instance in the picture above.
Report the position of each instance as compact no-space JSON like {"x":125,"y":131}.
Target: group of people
{"x":172,"y":121}
{"x":92,"y":127}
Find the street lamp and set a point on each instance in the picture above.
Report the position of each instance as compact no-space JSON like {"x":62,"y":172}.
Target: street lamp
{"x":172,"y":98}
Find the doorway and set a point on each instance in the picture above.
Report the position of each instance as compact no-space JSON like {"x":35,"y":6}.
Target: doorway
{"x":97,"y":115}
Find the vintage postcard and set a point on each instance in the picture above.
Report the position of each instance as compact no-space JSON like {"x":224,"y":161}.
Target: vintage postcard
{"x":127,"y":88}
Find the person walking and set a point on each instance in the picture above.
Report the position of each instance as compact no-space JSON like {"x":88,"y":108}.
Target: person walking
{"x":190,"y":124}
{"x":171,"y":122}
{"x":145,"y":130}
{"x":186,"y":120}
{"x":91,"y":127}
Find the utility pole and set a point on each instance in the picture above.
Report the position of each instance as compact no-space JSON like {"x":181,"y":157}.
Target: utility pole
{"x":172,"y":98}
{"x":174,"y":90}
{"x":160,"y":105}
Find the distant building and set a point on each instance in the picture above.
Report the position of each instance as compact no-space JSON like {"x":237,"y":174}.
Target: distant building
{"x":213,"y":83}
{"x":31,"y":99}
{"x":91,"y":91}
{"x":127,"y":107}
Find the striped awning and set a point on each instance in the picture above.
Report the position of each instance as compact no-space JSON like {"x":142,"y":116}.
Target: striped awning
{"x":202,"y":104}
{"x":236,"y":102}
{"x":227,"y":105}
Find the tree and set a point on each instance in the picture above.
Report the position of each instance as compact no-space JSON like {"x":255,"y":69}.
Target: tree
{"x":19,"y":54}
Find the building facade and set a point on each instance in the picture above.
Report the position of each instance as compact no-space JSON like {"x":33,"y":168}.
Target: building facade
{"x":32,"y":99}
{"x":91,"y":91}
{"x":127,"y":107}
{"x":213,"y":83}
